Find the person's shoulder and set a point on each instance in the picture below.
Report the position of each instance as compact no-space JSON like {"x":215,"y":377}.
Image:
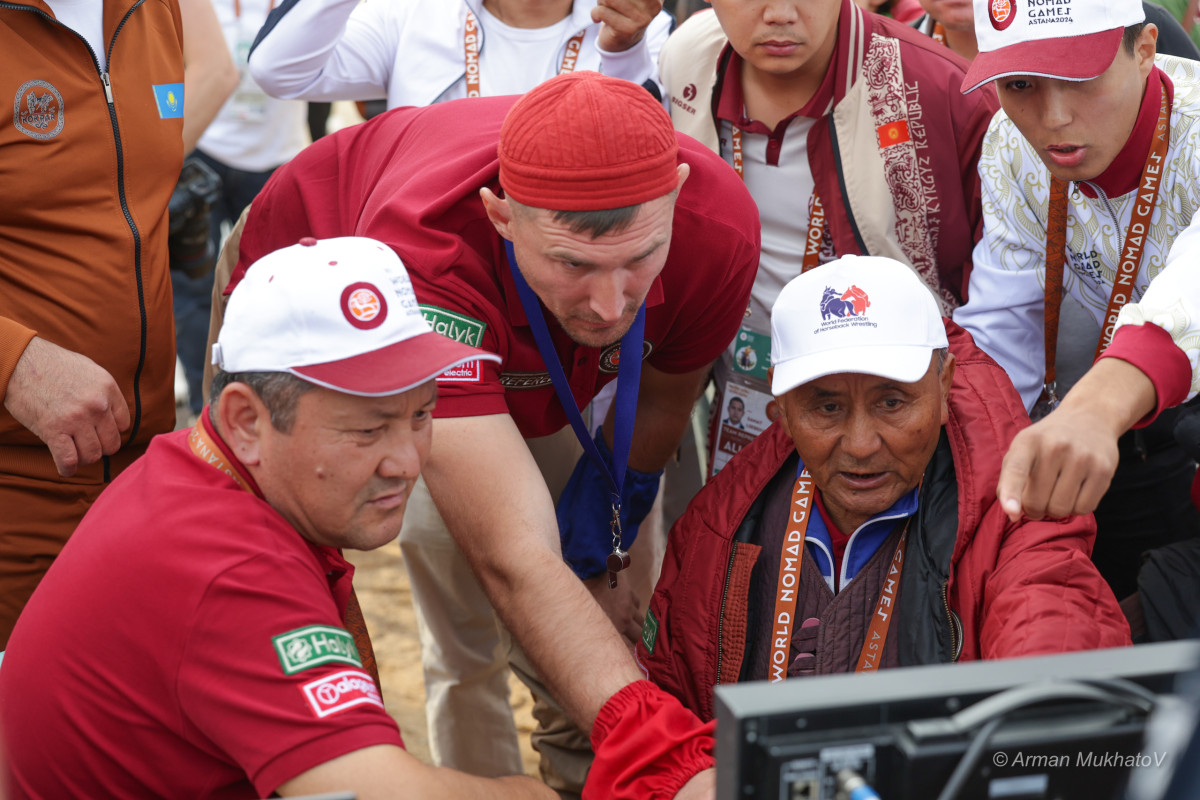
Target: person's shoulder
{"x":701,"y":30}
{"x":1185,"y":79}
{"x":713,"y":191}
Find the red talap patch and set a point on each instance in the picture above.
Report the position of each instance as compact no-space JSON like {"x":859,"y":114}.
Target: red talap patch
{"x":340,"y":692}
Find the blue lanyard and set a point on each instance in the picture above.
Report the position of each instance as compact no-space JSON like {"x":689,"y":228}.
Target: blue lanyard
{"x":629,"y":372}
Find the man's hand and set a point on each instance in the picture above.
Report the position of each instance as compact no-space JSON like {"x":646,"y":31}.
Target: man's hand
{"x":1060,"y":466}
{"x":623,"y":22}
{"x":69,"y":402}
{"x":619,"y":604}
{"x":1063,"y":464}
{"x":702,"y":786}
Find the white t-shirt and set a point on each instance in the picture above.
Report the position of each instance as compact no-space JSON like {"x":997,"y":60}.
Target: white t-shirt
{"x":514,"y":59}
{"x":85,"y":17}
{"x":252,"y":132}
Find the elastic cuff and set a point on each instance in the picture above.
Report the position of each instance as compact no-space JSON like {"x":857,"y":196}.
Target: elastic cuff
{"x":1152,"y":350}
{"x":633,"y":64}
{"x":14,"y":338}
{"x":647,"y":745}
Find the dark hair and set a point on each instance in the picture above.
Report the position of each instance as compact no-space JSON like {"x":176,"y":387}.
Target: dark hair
{"x":598,"y":223}
{"x":1130,"y":37}
{"x":279,"y":391}
{"x":741,"y":402}
{"x":941,"y":354}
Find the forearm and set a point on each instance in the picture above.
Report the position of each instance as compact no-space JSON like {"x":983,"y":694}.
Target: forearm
{"x":1112,"y":396}
{"x":209,"y":75}
{"x":664,"y":410}
{"x":495,"y":503}
{"x":385,"y":771}
{"x":325,"y":50}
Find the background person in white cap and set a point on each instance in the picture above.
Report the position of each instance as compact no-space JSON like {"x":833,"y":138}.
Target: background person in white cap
{"x":1090,"y":173}
{"x":191,"y":639}
{"x":884,"y":464}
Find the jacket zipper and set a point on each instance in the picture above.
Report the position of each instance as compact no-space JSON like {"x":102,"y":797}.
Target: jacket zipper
{"x":137,"y":238}
{"x":837,"y":160}
{"x":721,"y":615}
{"x":954,"y":646}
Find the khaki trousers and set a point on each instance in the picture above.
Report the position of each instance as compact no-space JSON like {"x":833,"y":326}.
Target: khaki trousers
{"x":465,"y":650}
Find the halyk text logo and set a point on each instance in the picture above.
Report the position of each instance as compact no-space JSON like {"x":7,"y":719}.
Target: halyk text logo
{"x":340,"y":691}
{"x":38,"y":110}
{"x":1001,"y":13}
{"x":363,"y":306}
{"x":314,"y":645}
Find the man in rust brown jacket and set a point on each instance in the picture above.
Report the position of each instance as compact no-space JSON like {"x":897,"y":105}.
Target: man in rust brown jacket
{"x":87,"y":165}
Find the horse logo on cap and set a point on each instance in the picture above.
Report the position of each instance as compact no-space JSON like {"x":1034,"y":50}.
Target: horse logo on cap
{"x":1001,"y":13}
{"x":363,"y":306}
{"x":851,"y":303}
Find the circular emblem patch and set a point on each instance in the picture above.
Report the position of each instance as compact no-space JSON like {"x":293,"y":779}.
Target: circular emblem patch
{"x":38,"y":110}
{"x":610,"y":359}
{"x":363,"y":306}
{"x":1001,"y":13}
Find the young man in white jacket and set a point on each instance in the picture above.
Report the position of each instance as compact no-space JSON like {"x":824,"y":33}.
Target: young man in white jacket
{"x":1089,"y":174}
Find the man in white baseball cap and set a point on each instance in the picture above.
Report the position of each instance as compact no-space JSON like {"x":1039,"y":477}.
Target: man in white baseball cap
{"x":205,"y":597}
{"x":883,"y":464}
{"x":1091,"y":177}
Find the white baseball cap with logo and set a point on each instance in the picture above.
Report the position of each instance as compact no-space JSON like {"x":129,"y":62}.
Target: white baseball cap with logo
{"x":860,"y":314}
{"x":340,"y":313}
{"x":1071,"y":40}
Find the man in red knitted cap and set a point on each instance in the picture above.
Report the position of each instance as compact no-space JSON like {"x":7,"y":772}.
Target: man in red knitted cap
{"x":592,"y":230}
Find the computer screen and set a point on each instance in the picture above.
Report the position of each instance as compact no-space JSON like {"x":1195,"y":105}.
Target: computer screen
{"x":1062,"y":727}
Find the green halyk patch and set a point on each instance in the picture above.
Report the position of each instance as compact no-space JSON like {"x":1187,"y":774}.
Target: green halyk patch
{"x":650,"y":631}
{"x":314,"y":645}
{"x":458,"y":327}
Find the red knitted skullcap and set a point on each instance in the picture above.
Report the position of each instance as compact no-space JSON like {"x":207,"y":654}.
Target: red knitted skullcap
{"x":583,"y":141}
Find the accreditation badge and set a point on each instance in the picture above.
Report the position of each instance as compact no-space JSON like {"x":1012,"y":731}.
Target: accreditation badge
{"x":744,"y":405}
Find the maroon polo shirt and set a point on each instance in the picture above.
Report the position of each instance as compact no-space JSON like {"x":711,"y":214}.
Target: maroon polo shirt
{"x":411,"y":179}
{"x":188,"y":642}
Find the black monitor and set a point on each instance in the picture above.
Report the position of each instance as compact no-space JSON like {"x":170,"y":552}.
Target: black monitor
{"x":1063,"y":727}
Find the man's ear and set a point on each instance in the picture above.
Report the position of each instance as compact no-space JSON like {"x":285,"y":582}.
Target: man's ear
{"x":499,"y":211}
{"x":946,"y":379}
{"x":242,"y":416}
{"x":1145,"y":48}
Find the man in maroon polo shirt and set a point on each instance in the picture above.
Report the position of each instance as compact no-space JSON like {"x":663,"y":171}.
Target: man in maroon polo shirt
{"x":606,"y":209}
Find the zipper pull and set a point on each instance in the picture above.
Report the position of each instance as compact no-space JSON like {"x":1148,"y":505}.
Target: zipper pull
{"x":107,"y":87}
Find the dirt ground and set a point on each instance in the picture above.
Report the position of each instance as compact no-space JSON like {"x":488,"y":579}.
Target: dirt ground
{"x":382,"y":586}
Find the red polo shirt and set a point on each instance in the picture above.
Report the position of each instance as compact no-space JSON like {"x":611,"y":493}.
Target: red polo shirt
{"x":411,"y":178}
{"x":188,"y":642}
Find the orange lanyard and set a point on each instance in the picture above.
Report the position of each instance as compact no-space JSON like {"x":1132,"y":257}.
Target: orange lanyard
{"x":237,"y":8}
{"x":816,"y":217}
{"x":791,"y":558}
{"x":939,"y":33}
{"x":1132,"y":250}
{"x":205,"y":449}
{"x":471,"y":55}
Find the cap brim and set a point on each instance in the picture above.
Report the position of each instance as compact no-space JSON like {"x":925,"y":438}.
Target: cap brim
{"x":902,"y":363}
{"x":395,"y":368}
{"x":1068,"y":58}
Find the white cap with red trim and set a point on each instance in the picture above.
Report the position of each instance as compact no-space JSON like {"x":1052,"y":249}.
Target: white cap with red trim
{"x":340,"y":313}
{"x":1071,"y":40}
